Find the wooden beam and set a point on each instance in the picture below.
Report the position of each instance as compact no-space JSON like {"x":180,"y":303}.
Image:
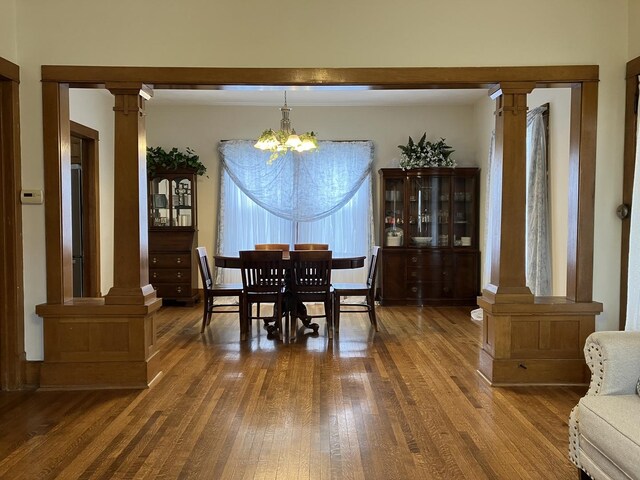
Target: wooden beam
{"x":57,"y":192}
{"x":414,"y":77}
{"x":582,"y":180}
{"x":12,"y":353}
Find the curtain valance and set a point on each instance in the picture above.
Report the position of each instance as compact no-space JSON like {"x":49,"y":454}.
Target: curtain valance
{"x":299,"y":186}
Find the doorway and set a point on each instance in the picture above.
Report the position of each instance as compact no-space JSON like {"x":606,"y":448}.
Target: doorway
{"x":85,"y":211}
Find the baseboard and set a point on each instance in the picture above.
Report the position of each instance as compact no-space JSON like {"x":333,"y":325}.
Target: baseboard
{"x":32,"y":374}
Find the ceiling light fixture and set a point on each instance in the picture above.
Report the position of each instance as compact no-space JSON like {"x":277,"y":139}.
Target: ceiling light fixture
{"x":285,"y":140}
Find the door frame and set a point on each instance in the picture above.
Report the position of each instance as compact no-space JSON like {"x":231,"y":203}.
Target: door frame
{"x":582,"y":80}
{"x":630,"y":143}
{"x":91,"y":206}
{"x":12,"y":352}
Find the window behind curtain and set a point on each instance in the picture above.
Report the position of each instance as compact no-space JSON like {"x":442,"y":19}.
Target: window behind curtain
{"x":243,"y":223}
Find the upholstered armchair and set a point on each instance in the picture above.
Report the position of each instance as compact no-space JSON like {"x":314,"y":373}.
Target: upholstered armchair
{"x":604,"y":428}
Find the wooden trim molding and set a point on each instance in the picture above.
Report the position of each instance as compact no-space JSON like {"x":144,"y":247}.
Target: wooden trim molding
{"x":630,"y":145}
{"x":91,"y":206}
{"x":57,"y":191}
{"x":582,"y":182}
{"x":12,"y":354}
{"x":9,"y":71}
{"x":445,"y":77}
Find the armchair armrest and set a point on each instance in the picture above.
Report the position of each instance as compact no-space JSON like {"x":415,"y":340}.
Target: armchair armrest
{"x":614,"y":360}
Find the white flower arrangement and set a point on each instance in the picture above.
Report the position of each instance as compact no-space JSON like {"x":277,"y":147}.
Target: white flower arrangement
{"x":426,"y":154}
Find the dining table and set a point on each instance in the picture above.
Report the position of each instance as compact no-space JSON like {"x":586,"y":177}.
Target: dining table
{"x":339,"y":261}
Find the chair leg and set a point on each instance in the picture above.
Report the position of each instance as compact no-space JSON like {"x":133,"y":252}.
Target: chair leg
{"x":336,"y":312}
{"x":205,"y":306}
{"x":328,"y":311}
{"x":242,"y":314}
{"x":372,"y":312}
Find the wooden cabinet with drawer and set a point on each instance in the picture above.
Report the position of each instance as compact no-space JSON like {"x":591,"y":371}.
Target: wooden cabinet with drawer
{"x":429,"y":230}
{"x":173,"y":236}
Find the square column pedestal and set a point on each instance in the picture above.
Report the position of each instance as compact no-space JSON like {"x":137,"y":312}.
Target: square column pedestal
{"x":90,"y":345}
{"x":536,"y":343}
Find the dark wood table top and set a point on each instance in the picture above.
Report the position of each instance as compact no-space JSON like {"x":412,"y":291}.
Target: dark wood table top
{"x":339,"y":261}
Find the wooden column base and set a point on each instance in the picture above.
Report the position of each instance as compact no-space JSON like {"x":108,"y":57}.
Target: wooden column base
{"x":91,"y":345}
{"x":536,"y":343}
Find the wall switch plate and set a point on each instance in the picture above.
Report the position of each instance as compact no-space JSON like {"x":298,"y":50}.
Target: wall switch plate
{"x":33,"y":197}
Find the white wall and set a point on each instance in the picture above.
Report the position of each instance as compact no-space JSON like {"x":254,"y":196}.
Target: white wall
{"x":634,"y":29}
{"x":203,"y":127}
{"x":8,"y":33}
{"x":376,"y":33}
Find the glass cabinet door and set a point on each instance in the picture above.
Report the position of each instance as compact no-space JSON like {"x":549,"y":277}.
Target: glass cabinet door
{"x":394,"y":212}
{"x":171,"y":201}
{"x":159,"y":199}
{"x":181,"y":202}
{"x":429,"y":211}
{"x":464,"y":212}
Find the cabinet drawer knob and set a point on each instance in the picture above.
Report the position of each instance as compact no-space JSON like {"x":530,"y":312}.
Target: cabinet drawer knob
{"x":179,"y":260}
{"x":414,"y":259}
{"x":414,"y":289}
{"x":155,"y":275}
{"x":154,"y":260}
{"x":179,"y":289}
{"x":179,"y":274}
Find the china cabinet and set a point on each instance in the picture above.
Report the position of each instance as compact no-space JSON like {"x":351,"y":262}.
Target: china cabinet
{"x":429,"y":236}
{"x":173,"y":235}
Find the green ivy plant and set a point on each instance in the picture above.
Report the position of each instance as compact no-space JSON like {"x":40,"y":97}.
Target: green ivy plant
{"x":426,"y":154}
{"x":174,"y":159}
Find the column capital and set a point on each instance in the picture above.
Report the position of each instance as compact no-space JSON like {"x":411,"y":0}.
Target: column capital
{"x":130,"y":88}
{"x":511,"y":88}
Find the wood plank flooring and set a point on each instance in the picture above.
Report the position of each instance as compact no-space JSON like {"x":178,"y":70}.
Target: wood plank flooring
{"x":405,"y":403}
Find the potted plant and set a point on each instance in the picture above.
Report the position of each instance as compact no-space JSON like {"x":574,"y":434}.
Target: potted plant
{"x":174,"y":159}
{"x":426,"y":154}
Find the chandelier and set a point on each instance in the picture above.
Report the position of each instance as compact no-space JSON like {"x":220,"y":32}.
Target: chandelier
{"x":284,"y":140}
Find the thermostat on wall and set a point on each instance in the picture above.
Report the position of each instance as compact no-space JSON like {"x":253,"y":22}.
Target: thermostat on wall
{"x":31,"y":196}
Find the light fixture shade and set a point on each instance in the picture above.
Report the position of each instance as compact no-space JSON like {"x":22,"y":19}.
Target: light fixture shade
{"x":293,"y":141}
{"x":285,"y":139}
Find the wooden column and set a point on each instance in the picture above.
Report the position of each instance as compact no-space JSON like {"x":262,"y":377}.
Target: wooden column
{"x":527,"y":339}
{"x":508,"y":280}
{"x":12,"y":354}
{"x":582,"y":191}
{"x":130,"y":243}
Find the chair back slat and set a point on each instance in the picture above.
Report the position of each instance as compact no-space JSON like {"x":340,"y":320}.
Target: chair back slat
{"x":310,"y":271}
{"x":262,"y":271}
{"x":205,"y":272}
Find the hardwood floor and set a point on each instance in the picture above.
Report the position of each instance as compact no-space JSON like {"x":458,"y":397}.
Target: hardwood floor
{"x":406,"y":403}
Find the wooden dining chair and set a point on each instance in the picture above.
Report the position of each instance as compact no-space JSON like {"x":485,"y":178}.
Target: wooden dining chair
{"x":311,"y":282}
{"x":212,"y":290}
{"x":263,"y":281}
{"x":272,"y":246}
{"x":356,"y":290}
{"x":311,"y":246}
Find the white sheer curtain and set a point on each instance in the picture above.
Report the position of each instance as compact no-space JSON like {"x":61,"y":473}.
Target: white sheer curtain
{"x":633,"y":280}
{"x":299,"y":186}
{"x":343,"y":218}
{"x":538,"y":234}
{"x":488,"y":221}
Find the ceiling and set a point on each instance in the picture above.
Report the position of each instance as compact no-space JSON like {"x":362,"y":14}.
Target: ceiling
{"x":316,"y":96}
